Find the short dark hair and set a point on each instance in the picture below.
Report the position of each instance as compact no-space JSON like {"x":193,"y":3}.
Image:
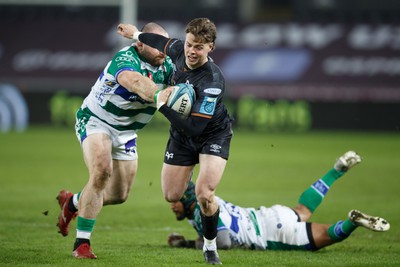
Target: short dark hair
{"x":203,"y":29}
{"x":151,"y":26}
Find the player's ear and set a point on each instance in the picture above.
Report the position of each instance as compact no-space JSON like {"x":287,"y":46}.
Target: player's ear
{"x":139,"y":45}
{"x":212,"y":46}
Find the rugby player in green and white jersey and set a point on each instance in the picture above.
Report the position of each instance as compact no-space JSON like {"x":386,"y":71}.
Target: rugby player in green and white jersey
{"x":121,"y":102}
{"x":277,"y":227}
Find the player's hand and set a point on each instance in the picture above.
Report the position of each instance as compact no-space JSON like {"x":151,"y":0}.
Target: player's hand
{"x":163,"y":95}
{"x":127,"y":30}
{"x":176,"y":240}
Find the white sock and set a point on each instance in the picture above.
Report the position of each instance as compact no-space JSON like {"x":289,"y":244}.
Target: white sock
{"x":83,"y":234}
{"x":210,"y":244}
{"x":75,"y":200}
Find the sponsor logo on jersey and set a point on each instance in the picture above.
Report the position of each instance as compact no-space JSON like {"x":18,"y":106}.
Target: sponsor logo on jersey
{"x":127,"y":56}
{"x":213,"y":91}
{"x":208,"y":105}
{"x":110,"y":83}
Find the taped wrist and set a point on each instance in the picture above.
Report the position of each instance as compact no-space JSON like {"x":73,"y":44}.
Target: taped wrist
{"x":136,"y":35}
{"x":156,"y":95}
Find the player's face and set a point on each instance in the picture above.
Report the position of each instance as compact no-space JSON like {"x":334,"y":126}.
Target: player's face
{"x":196,"y":52}
{"x":177,"y":208}
{"x":152,"y":55}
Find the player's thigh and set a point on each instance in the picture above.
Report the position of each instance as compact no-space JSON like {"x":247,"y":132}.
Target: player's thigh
{"x":211,"y":170}
{"x":174,"y":180}
{"x":124,"y":172}
{"x":97,"y":153}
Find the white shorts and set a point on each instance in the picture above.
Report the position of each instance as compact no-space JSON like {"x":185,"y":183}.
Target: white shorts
{"x":123,"y":142}
{"x":284,"y":231}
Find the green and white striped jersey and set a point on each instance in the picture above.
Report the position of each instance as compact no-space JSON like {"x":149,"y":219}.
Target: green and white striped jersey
{"x":244,"y":224}
{"x":115,"y":105}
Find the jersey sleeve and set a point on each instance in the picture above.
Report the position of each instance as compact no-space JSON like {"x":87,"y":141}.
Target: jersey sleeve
{"x":169,"y":46}
{"x":209,"y":96}
{"x":191,"y":126}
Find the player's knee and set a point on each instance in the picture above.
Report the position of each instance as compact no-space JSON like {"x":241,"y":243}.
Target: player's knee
{"x":115,"y":196}
{"x":205,"y":198}
{"x":172,"y":196}
{"x":123,"y":195}
{"x":101,"y":176}
{"x":120,"y":198}
{"x":303,"y":212}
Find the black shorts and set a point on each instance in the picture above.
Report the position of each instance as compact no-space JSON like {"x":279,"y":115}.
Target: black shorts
{"x":184,"y":151}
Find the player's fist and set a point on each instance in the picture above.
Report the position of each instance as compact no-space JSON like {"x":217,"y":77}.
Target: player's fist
{"x":127,"y":30}
{"x":176,"y":240}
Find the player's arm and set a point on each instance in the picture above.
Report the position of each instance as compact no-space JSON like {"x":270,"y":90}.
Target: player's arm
{"x":192,"y":125}
{"x":166,"y":45}
{"x":195,"y":124}
{"x":179,"y":241}
{"x":135,"y":82}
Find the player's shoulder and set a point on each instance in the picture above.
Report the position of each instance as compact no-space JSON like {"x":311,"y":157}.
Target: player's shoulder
{"x":221,"y":201}
{"x":214,"y":71}
{"x":126,"y":55}
{"x":168,"y":62}
{"x":128,"y":50}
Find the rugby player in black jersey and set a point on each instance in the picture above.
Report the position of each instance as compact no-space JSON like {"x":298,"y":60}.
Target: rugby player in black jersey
{"x":202,"y":138}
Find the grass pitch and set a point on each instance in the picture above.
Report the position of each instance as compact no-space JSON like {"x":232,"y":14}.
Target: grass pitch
{"x":263,"y":169}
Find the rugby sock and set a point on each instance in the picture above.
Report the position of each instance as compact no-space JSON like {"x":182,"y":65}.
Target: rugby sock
{"x":341,"y":230}
{"x":84,"y":230}
{"x":313,"y":196}
{"x":210,"y":245}
{"x":210,"y":224}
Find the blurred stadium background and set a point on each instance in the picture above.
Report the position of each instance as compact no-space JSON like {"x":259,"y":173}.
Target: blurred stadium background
{"x":289,"y":65}
{"x":307,"y":80}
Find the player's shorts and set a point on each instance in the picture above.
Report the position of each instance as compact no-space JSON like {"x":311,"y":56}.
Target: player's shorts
{"x":123,"y":142}
{"x":184,"y":151}
{"x":284,"y":229}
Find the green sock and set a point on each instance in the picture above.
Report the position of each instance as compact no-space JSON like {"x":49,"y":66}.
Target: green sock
{"x":313,"y":196}
{"x":341,"y":230}
{"x":84,"y":227}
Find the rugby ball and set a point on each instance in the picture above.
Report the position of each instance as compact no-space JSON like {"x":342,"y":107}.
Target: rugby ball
{"x":182,"y":98}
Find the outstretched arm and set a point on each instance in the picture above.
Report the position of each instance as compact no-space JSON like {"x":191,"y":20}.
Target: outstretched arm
{"x":179,"y":241}
{"x":169,"y":46}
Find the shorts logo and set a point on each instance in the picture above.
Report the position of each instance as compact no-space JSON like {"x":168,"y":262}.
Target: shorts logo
{"x":130,"y":147}
{"x":169,"y":155}
{"x":215,"y":148}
